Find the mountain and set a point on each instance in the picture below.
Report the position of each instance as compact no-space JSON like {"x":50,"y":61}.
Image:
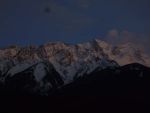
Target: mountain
{"x":40,"y":69}
{"x":89,"y":77}
{"x":124,"y":89}
{"x":118,"y":81}
{"x":37,"y":79}
{"x":111,"y":90}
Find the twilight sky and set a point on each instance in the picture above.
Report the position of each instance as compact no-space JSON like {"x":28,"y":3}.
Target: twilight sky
{"x":27,"y":22}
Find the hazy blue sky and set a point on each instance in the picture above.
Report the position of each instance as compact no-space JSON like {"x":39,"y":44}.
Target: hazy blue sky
{"x":26,"y":21}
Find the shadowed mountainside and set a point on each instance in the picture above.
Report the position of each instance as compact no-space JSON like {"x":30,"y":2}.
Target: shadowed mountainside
{"x":123,"y":89}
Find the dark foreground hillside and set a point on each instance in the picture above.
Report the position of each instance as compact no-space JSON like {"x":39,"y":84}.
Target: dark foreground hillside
{"x":120,"y":90}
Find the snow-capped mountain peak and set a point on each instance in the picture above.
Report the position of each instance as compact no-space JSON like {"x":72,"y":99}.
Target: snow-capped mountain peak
{"x":70,"y":61}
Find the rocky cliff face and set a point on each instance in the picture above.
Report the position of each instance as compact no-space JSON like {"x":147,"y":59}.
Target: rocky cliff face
{"x":67,"y":54}
{"x":69,"y":61}
{"x":72,"y":60}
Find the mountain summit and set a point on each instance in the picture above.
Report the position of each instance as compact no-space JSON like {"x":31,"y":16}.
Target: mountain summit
{"x":70,"y":58}
{"x":66,"y":61}
{"x":69,"y":54}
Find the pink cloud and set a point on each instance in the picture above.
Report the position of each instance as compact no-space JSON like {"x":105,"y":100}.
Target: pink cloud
{"x":116,"y":37}
{"x":113,"y":34}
